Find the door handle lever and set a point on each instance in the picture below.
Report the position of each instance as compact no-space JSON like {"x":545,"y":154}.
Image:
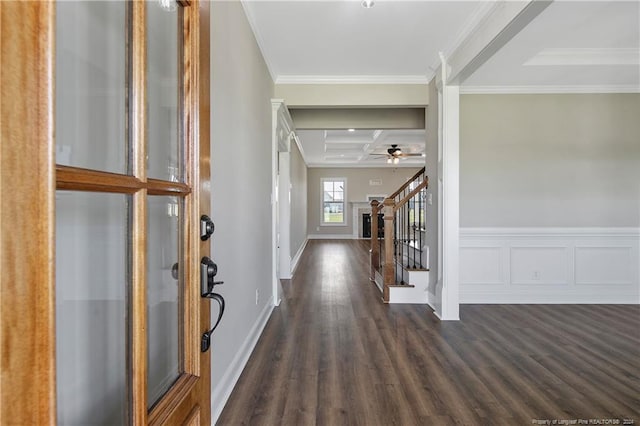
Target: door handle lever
{"x":205,"y":341}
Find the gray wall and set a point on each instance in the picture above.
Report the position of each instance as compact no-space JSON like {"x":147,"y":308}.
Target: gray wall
{"x":241,"y":89}
{"x":431,"y":169}
{"x":352,"y":95}
{"x":550,"y":160}
{"x":298,"y":170}
{"x":357,"y":189}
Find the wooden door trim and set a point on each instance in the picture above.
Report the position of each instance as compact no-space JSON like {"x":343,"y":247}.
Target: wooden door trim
{"x":172,"y":399}
{"x":138,"y":146}
{"x":202,"y":10}
{"x":27,"y":304}
{"x":79,"y":179}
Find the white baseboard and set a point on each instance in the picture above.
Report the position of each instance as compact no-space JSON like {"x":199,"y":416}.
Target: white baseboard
{"x":331,"y":237}
{"x":550,"y":265}
{"x":220,"y":394}
{"x":296,"y":258}
{"x":431,"y":300}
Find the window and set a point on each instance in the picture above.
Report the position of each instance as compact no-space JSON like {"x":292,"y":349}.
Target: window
{"x":333,"y":201}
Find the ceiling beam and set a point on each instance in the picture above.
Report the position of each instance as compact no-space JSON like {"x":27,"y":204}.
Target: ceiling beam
{"x":353,"y":95}
{"x":501,"y":23}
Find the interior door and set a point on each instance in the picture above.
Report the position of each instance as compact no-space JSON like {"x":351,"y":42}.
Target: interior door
{"x":113,"y":332}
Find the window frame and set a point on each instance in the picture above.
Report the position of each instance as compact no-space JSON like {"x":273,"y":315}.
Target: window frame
{"x":344,"y":201}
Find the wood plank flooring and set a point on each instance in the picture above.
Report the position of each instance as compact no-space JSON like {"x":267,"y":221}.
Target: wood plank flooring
{"x":333,"y":354}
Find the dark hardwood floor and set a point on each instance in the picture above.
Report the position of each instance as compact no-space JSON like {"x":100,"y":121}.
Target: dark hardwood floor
{"x":333,"y":354}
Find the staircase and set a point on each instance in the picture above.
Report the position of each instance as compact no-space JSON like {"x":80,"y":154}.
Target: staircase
{"x":400,"y":257}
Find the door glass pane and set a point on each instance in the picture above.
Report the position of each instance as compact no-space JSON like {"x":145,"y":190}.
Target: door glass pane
{"x":164,"y":280}
{"x":163,"y":89}
{"x":91,"y":308}
{"x":91,"y":64}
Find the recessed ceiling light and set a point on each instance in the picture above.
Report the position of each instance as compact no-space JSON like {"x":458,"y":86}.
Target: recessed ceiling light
{"x":351,"y":130}
{"x":367,"y":4}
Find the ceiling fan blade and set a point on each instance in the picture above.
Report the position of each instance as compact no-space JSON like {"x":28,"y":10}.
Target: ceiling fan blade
{"x":410,"y":155}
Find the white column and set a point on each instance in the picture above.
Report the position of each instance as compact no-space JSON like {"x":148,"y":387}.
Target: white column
{"x":446,"y":301}
{"x":450,"y":202}
{"x":284,"y":207}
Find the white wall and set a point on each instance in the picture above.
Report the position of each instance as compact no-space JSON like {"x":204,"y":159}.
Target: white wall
{"x":550,"y":198}
{"x":298,"y":171}
{"x":241,"y":91}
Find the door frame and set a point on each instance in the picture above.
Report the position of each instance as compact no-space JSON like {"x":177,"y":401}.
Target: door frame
{"x":27,"y":226}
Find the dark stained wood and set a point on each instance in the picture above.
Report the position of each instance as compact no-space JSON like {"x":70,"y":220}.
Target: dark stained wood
{"x":389,"y":271}
{"x":27,"y":308}
{"x":414,"y":177}
{"x":375,"y":242}
{"x":332,"y":354}
{"x":424,"y":184}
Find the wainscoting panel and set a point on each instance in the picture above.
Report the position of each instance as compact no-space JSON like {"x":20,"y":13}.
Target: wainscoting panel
{"x":485,"y":266}
{"x":603,"y":265}
{"x":550,"y":265}
{"x":534,"y":265}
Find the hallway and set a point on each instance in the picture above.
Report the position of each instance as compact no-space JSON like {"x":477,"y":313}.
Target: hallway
{"x":333,"y":354}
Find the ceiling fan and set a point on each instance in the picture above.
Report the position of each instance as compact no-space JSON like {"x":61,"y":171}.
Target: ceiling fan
{"x":394,"y":154}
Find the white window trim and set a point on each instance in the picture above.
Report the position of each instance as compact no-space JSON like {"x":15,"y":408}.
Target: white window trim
{"x":344,"y":201}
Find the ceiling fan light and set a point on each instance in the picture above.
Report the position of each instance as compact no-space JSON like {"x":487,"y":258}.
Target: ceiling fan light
{"x":368,"y":4}
{"x":388,"y":160}
{"x":396,"y":160}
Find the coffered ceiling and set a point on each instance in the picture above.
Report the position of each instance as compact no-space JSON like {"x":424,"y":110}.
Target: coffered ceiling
{"x":360,"y":148}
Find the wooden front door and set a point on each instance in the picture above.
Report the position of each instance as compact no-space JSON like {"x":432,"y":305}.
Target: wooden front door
{"x":104,"y":163}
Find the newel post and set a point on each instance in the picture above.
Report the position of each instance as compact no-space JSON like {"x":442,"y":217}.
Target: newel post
{"x":389,"y":255}
{"x":375,"y":243}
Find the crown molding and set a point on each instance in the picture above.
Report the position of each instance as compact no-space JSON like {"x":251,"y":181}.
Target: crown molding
{"x":479,"y":16}
{"x":479,"y":90}
{"x":352,"y":79}
{"x":258,"y":38}
{"x":589,"y":56}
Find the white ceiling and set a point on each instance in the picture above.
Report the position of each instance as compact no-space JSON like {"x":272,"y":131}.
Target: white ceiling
{"x":360,"y":148}
{"x":303,"y":39}
{"x":572,"y":46}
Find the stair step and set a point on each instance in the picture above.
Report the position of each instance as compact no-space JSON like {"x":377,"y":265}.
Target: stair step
{"x":402,"y":285}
